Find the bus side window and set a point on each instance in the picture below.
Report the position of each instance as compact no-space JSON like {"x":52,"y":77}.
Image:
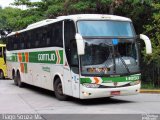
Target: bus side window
{"x":30,"y":43}
{"x":9,"y":43}
{"x":56,"y":38}
{"x":39,"y":39}
{"x":22,"y":42}
{"x":48,"y":36}
{"x":15,"y":45}
{"x":0,"y":51}
{"x":58,"y":34}
{"x":44,"y":36}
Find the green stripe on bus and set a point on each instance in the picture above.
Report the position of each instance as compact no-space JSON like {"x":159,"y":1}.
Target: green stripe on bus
{"x":61,"y":56}
{"x":23,"y":57}
{"x":14,"y":57}
{"x":49,"y":57}
{"x":85,"y":80}
{"x":43,"y":57}
{"x":113,"y":79}
{"x":121,"y":79}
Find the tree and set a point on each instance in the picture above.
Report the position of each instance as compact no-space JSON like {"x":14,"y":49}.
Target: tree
{"x":153,"y":30}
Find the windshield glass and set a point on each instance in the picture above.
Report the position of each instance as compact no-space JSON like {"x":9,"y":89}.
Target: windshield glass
{"x":105,"y":28}
{"x":103,"y":58}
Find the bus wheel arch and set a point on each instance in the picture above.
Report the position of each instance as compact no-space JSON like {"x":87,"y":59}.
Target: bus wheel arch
{"x":58,"y":88}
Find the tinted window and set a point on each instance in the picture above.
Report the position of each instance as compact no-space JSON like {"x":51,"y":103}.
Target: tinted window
{"x":46,"y":36}
{"x":16,"y":42}
{"x":56,"y":34}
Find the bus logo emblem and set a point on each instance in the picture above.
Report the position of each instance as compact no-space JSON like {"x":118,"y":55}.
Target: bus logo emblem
{"x":115,"y":83}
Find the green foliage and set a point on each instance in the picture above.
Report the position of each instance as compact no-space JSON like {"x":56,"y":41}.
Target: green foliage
{"x":138,"y":12}
{"x":54,"y":10}
{"x":9,"y":17}
{"x":18,"y":19}
{"x":81,"y":7}
{"x":153,"y":31}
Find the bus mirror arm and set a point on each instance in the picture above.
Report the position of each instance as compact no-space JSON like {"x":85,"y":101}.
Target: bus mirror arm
{"x":80,"y":44}
{"x":147,"y":43}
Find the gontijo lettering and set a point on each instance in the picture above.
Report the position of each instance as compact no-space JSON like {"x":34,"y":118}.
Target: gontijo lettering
{"x":46,"y":57}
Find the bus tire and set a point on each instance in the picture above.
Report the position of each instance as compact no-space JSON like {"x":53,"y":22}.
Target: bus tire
{"x":19,"y":82}
{"x":1,"y":74}
{"x":14,"y":78}
{"x":58,"y":90}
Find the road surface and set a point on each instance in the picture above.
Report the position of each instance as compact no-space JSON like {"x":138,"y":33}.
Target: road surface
{"x":32,"y":100}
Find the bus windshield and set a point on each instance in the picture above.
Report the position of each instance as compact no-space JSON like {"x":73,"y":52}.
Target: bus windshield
{"x":103,"y":58}
{"x":99,"y":28}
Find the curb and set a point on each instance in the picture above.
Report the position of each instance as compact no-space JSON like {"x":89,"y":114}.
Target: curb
{"x":150,"y":91}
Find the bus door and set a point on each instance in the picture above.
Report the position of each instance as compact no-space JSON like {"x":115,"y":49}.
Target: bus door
{"x":70,"y":60}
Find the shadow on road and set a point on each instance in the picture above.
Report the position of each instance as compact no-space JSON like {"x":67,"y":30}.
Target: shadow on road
{"x":100,"y":101}
{"x":96,"y":101}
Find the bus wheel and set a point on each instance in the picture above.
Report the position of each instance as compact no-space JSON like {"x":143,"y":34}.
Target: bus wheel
{"x":19,"y":82}
{"x":15,"y":79}
{"x":58,"y":90}
{"x":1,"y":74}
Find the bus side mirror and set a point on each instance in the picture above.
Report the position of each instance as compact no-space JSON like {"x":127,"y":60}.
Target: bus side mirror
{"x":80,"y":44}
{"x":147,"y":43}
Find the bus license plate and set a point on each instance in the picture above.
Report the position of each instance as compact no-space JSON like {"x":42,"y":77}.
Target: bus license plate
{"x":115,"y":92}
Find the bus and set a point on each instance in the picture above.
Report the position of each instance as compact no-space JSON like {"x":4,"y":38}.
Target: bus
{"x":84,"y":56}
{"x":3,"y":71}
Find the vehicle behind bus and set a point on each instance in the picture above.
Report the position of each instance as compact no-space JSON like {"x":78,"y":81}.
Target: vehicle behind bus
{"x":3,"y":72}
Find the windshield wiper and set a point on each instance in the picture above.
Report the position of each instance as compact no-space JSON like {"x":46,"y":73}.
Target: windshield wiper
{"x":114,"y":60}
{"x":123,"y":62}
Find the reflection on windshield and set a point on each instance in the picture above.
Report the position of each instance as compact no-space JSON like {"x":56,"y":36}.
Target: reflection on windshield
{"x":101,"y":57}
{"x":105,"y":28}
{"x":96,"y":52}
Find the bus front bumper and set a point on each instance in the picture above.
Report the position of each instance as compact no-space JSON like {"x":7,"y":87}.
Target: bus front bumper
{"x":88,"y":93}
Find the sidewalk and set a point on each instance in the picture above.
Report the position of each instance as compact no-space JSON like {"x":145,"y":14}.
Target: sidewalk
{"x":150,"y":91}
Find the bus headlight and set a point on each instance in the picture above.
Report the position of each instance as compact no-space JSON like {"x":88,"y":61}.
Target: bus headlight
{"x":135,"y":82}
{"x":91,"y":85}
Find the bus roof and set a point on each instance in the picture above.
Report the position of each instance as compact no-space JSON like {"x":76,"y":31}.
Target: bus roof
{"x":94,"y":17}
{"x":2,"y":45}
{"x":75,"y":18}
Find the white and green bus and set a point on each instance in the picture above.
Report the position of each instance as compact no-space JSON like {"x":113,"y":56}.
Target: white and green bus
{"x":84,"y":56}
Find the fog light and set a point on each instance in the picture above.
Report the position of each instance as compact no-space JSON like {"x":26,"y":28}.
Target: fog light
{"x":86,"y":94}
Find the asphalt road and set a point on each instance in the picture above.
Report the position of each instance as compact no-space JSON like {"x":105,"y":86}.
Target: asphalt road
{"x":32,"y":100}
